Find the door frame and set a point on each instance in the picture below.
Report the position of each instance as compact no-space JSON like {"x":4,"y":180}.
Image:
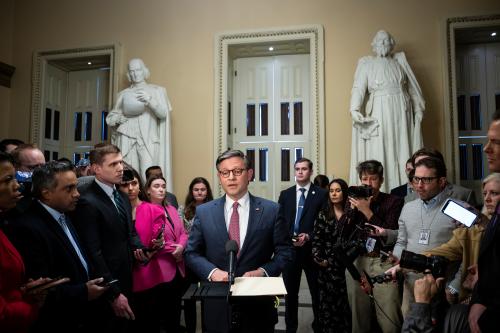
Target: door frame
{"x":40,"y":61}
{"x":315,"y":35}
{"x":450,"y":92}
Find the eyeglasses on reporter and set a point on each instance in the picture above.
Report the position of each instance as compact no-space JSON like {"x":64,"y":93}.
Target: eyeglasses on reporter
{"x":425,"y":180}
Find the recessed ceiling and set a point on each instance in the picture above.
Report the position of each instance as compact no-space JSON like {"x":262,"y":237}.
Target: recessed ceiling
{"x":80,"y":64}
{"x":477,"y":35}
{"x":262,"y":49}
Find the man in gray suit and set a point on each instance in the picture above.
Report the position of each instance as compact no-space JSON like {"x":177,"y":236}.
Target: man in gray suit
{"x":422,"y":225}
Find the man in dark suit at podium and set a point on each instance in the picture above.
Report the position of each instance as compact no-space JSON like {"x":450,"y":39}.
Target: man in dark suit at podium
{"x":300,"y":205}
{"x":263,"y":241}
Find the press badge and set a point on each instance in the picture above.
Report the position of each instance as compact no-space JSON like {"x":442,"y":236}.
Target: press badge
{"x":370,"y":244}
{"x":425,"y":234}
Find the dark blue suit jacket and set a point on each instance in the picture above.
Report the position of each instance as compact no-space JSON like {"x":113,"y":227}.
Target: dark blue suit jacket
{"x":267,"y":243}
{"x":108,"y":241}
{"x":315,"y":200}
{"x":47,"y":252}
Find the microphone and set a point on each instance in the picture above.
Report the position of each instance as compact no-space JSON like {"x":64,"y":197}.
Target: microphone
{"x":231,"y":250}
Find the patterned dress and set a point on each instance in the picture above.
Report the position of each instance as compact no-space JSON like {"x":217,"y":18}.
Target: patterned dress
{"x":334,"y":310}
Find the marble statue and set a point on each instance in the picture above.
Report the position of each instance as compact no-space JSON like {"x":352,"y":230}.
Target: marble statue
{"x":387,"y":109}
{"x":141,"y":122}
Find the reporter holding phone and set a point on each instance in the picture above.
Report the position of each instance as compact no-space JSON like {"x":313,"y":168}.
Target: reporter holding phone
{"x":464,"y":244}
{"x":157,"y":285}
{"x":49,"y":245}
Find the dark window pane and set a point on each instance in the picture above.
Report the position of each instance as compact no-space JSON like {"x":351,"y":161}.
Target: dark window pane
{"x":462,"y":125}
{"x":497,"y":102}
{"x":76,"y":157}
{"x":475,"y":112}
{"x":55,"y":155}
{"x":477,"y":161}
{"x":463,"y":161}
{"x":251,"y":159}
{"x":229,"y":118}
{"x":88,"y":126}
{"x":104,"y":126}
{"x":250,"y":119}
{"x":86,"y":155}
{"x":48,"y":123}
{"x":46,"y":154}
{"x":285,"y":119}
{"x":263,"y":153}
{"x":299,"y":153}
{"x":297,"y":118}
{"x":264,"y":122}
{"x":285,"y":164}
{"x":78,"y":126}
{"x":57,"y":116}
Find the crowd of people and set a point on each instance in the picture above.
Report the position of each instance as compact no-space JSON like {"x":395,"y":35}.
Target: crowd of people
{"x":97,"y":247}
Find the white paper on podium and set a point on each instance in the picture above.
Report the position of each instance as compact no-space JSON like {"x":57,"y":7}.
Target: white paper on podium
{"x":258,"y":286}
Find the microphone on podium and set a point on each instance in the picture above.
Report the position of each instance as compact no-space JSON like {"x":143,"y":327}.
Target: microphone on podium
{"x":231,"y":251}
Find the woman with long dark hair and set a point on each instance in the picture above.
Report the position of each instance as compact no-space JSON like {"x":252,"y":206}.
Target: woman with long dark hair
{"x":157,"y":284}
{"x":199,"y":192}
{"x":329,"y":230}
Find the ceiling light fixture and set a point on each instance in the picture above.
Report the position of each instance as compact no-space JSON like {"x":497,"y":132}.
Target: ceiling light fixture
{"x":493,"y":34}
{"x":271,"y":48}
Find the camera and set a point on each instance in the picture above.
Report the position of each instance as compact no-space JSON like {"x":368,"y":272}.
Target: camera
{"x":24,"y":180}
{"x":345,"y":253}
{"x":363,"y":191}
{"x":418,"y":262}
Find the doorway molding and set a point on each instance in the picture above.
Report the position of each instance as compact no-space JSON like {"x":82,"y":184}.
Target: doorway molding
{"x":450,"y":92}
{"x":315,"y":36}
{"x":40,"y":61}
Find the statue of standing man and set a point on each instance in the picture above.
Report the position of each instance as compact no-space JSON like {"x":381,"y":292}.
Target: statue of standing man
{"x":387,"y":109}
{"x":141,"y":122}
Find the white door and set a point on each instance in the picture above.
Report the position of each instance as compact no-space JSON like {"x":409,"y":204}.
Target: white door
{"x":271,"y":118}
{"x":54,"y":115}
{"x":478,"y":96}
{"x":87,"y":111}
{"x":76,"y":105}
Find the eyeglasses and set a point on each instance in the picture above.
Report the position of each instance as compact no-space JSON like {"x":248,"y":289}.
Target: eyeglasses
{"x":236,"y":172}
{"x":425,"y":180}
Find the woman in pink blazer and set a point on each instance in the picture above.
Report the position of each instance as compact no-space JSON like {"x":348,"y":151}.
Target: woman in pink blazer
{"x":157,"y":284}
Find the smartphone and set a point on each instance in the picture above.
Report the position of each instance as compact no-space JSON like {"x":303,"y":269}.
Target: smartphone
{"x":461,"y":214}
{"x":159,"y":235}
{"x":47,"y":285}
{"x":109,"y":283}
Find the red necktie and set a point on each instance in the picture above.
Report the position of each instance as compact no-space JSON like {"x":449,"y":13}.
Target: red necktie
{"x":234,"y":224}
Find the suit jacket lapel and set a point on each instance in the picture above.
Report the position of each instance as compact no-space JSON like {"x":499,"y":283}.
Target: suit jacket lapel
{"x":54,"y":225}
{"x":105,"y":199}
{"x":219,"y":220}
{"x":311,"y":196}
{"x":292,"y":202}
{"x":254,"y":219}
